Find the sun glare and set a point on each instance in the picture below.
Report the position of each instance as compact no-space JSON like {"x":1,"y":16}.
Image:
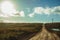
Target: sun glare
{"x":7,"y":7}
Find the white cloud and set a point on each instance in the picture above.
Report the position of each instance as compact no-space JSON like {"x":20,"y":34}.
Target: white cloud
{"x":38,"y":10}
{"x":7,"y":9}
{"x":41,"y":10}
{"x":56,"y":10}
{"x":22,"y":14}
{"x":2,"y":15}
{"x":47,"y":11}
{"x":6,"y":15}
{"x":31,"y":15}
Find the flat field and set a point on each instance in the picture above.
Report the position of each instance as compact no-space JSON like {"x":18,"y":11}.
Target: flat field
{"x":24,"y":31}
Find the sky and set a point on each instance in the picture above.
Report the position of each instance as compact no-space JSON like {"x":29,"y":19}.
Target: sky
{"x":30,"y":11}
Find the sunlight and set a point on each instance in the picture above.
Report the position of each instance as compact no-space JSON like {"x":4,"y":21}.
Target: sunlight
{"x":7,"y":8}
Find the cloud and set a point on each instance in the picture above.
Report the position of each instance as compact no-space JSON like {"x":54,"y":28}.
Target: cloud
{"x":38,"y":10}
{"x":31,"y":15}
{"x":1,"y":15}
{"x":6,"y":15}
{"x":41,"y":10}
{"x":46,"y":11}
{"x":56,"y":10}
{"x":22,"y":14}
{"x":8,"y":10}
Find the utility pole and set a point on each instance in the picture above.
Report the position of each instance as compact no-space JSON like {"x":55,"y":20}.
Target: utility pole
{"x":52,"y":20}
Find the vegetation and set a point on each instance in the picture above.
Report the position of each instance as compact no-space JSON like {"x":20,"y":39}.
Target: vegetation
{"x":16,"y":31}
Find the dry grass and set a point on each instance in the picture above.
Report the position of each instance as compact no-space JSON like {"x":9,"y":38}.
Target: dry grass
{"x":10,"y":30}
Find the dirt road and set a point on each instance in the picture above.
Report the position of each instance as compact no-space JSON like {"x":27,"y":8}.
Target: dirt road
{"x":45,"y":35}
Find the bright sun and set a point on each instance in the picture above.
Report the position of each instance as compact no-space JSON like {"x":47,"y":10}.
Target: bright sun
{"x":7,"y":7}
